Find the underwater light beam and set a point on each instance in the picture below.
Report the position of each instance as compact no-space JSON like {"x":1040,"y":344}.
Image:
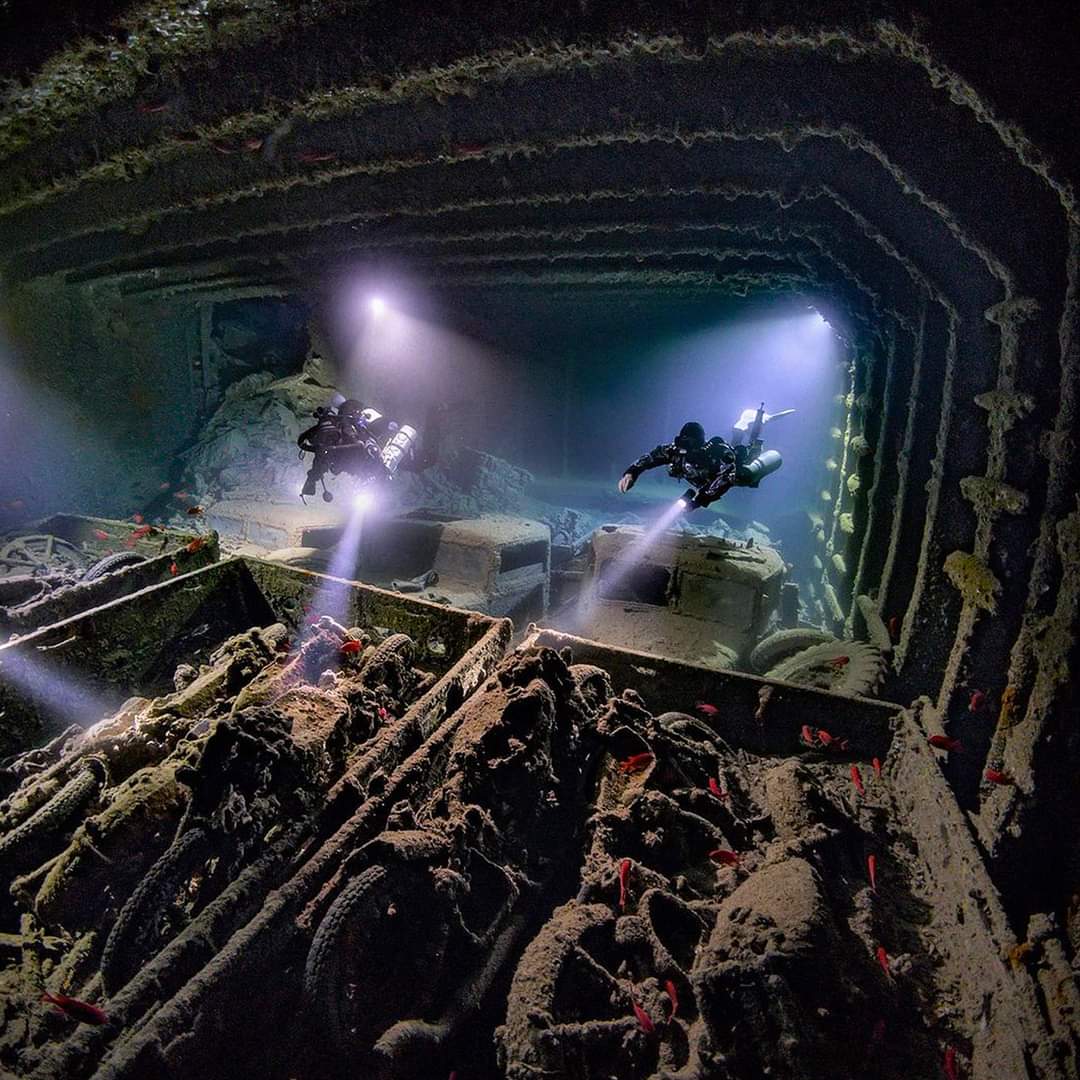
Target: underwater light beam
{"x":628,"y":558}
{"x":68,"y":700}
{"x":332,"y":596}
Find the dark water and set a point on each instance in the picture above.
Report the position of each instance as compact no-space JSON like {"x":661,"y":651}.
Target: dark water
{"x":584,"y":386}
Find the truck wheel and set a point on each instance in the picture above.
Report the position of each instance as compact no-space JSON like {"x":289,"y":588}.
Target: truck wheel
{"x":135,"y":938}
{"x":113,"y":562}
{"x":843,"y":667}
{"x":386,"y":919}
{"x":770,"y":650}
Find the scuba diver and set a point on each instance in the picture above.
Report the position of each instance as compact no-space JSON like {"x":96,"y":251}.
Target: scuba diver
{"x":713,"y":467}
{"x":347,"y":437}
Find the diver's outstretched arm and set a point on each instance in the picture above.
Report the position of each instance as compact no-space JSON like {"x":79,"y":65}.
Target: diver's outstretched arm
{"x":660,"y":455}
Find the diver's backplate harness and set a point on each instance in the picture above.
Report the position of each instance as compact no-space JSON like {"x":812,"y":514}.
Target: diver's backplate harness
{"x":715,"y":466}
{"x":349,"y":438}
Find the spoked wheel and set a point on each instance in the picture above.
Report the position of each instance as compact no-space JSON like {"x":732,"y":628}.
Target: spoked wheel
{"x":40,"y":551}
{"x":375,"y":960}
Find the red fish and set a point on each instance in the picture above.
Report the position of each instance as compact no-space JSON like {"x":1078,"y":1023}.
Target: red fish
{"x":101,"y":534}
{"x":724,"y":857}
{"x":997,"y":777}
{"x":82,"y":1011}
{"x":715,"y":788}
{"x":838,"y":662}
{"x":468,"y":149}
{"x":644,"y":1019}
{"x":150,"y":109}
{"x":195,"y":544}
{"x":195,"y":511}
{"x":183,"y":496}
{"x":221,"y":148}
{"x":808,"y":735}
{"x":949,"y":1063}
{"x":312,"y":157}
{"x":253,"y":145}
{"x":624,"y":876}
{"x":856,"y":779}
{"x":978,"y":698}
{"x":871,"y":866}
{"x":672,"y":993}
{"x":883,"y":959}
{"x":173,"y":568}
{"x":384,"y":714}
{"x":141,"y":531}
{"x":894,"y":628}
{"x":164,"y":485}
{"x":876,"y":763}
{"x":825,"y":737}
{"x":943,"y":742}
{"x":351,"y":646}
{"x":706,"y":709}
{"x":137,"y":518}
{"x":636,"y":763}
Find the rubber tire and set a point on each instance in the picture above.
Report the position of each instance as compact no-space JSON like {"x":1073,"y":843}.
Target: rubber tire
{"x":359,"y":900}
{"x":132,"y":939}
{"x":23,"y":846}
{"x":770,"y":650}
{"x":860,"y":677}
{"x":109,"y":563}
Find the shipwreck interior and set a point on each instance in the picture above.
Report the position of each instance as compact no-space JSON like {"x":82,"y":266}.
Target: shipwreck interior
{"x":481,"y":767}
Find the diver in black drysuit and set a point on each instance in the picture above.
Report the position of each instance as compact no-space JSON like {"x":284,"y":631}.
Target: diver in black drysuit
{"x":348,"y":437}
{"x":714,"y":466}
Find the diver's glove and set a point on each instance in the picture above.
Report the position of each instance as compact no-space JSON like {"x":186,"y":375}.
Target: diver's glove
{"x":627,"y":481}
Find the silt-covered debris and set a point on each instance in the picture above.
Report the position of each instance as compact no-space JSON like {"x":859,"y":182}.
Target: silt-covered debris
{"x":281,"y":870}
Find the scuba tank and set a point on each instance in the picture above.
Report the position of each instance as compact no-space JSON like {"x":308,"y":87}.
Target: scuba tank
{"x":399,"y":448}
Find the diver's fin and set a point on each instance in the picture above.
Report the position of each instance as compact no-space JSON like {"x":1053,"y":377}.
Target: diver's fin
{"x":776,"y":415}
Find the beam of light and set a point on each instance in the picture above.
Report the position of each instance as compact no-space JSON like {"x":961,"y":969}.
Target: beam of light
{"x":65,"y":698}
{"x":377,"y":305}
{"x":410,"y":362}
{"x":618,"y":568}
{"x":332,"y":596}
{"x":42,"y":432}
{"x":782,"y":354}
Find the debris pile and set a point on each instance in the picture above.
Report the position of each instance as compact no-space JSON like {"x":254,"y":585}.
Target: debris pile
{"x":114,"y":838}
{"x":467,"y":482}
{"x":729,"y":921}
{"x":544,"y":878}
{"x":248,"y":447}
